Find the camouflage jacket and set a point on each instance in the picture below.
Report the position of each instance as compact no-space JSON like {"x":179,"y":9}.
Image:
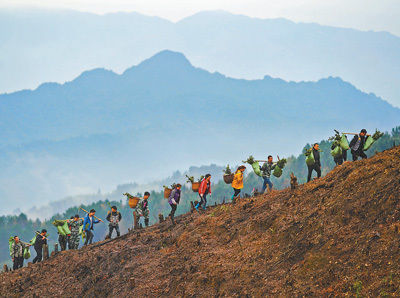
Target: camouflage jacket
{"x":75,"y":225}
{"x":17,"y":249}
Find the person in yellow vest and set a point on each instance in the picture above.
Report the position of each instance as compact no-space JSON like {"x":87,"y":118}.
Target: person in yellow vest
{"x":237,"y":183}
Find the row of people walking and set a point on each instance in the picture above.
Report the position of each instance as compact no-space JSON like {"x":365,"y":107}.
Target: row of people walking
{"x":78,"y":228}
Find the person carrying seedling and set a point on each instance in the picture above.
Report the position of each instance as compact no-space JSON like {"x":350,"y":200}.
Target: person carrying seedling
{"x":339,"y":148}
{"x":69,"y":235}
{"x":114,"y":217}
{"x":204,"y":190}
{"x":237,"y":183}
{"x":17,"y":248}
{"x":340,"y":158}
{"x":62,"y":230}
{"x":142,"y":209}
{"x":316,"y":165}
{"x":173,"y":201}
{"x":266,"y":171}
{"x":62,"y":240}
{"x":38,"y":245}
{"x":88,"y":224}
{"x":357,"y":145}
{"x":75,"y":227}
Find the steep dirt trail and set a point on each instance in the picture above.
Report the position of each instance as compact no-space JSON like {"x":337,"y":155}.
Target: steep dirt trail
{"x":331,"y":237}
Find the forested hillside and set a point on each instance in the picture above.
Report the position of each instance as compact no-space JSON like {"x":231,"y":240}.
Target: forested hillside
{"x":333,"y":237}
{"x":24,"y":227}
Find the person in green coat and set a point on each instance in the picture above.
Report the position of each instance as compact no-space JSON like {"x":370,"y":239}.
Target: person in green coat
{"x":142,"y":210}
{"x":316,"y":166}
{"x":17,"y":252}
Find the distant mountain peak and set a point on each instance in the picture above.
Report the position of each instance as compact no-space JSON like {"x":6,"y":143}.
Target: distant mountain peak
{"x":219,"y":15}
{"x":96,"y":72}
{"x":98,"y":75}
{"x":167,"y":56}
{"x":163,"y":60}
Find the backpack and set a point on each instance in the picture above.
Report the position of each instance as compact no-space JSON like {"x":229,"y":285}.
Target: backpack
{"x":66,"y":229}
{"x":10,"y":243}
{"x":310,"y":160}
{"x":27,"y":253}
{"x":277,"y":172}
{"x":256,"y":168}
{"x":33,"y":241}
{"x":344,"y":143}
{"x":368,"y":143}
{"x":62,"y":227}
{"x":82,"y":232}
{"x":337,"y":151}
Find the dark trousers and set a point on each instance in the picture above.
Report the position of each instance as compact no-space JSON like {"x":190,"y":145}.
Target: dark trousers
{"x":341,"y":158}
{"x":358,"y":153}
{"x":173,"y":209}
{"x":111,"y":228}
{"x":89,"y":237}
{"x":38,"y":257}
{"x":63,"y":242}
{"x":203,"y":201}
{"x":172,"y":213}
{"x":236,"y":192}
{"x":18,"y":263}
{"x":338,"y":160}
{"x":317,"y":169}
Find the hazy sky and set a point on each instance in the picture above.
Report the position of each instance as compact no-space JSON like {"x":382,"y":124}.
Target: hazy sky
{"x":360,"y":14}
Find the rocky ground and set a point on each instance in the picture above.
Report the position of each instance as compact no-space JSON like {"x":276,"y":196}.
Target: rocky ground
{"x":335,"y":236}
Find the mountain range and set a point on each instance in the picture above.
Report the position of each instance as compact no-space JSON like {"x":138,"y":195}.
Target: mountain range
{"x":104,"y":129}
{"x":40,"y":46}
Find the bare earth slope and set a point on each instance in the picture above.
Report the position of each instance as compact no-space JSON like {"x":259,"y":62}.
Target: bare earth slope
{"x":334,"y":236}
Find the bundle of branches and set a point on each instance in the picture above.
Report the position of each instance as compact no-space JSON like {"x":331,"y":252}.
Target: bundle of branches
{"x":190,"y":179}
{"x":281,"y":163}
{"x":58,"y":222}
{"x":372,"y":139}
{"x":308,"y":152}
{"x":128,"y":195}
{"x":250,"y":160}
{"x":377,"y":135}
{"x":173,"y":185}
{"x":336,"y":137}
{"x":227,"y":170}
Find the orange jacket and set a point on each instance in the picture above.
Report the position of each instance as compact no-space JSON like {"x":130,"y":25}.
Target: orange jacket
{"x":237,"y":182}
{"x":203,"y":187}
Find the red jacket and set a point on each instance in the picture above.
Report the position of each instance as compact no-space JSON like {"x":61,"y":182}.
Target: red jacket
{"x":203,"y":187}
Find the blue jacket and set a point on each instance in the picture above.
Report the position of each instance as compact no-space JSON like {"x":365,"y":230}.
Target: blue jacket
{"x":88,"y":224}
